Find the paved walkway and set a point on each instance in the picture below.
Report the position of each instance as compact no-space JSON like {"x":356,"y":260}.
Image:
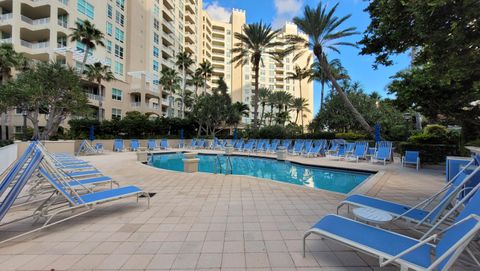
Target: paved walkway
{"x":207,"y":222}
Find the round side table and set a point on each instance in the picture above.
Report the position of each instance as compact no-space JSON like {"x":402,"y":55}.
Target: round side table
{"x":372,"y":215}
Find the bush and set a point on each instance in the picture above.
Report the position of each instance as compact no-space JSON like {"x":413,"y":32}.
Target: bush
{"x":429,"y":153}
{"x":270,"y":132}
{"x":475,"y":143}
{"x":4,"y":143}
{"x":352,"y":136}
{"x":436,"y":134}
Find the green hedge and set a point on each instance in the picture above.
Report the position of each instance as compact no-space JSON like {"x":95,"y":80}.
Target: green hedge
{"x":4,"y":143}
{"x":429,"y":153}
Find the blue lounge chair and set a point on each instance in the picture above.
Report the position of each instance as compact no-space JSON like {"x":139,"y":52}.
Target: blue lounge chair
{"x":214,"y":144}
{"x":394,"y":248}
{"x":273,"y":147}
{"x":238,"y":145}
{"x":87,"y":149}
{"x":314,"y":151}
{"x":134,"y":145}
{"x":412,"y":158}
{"x":297,"y":148}
{"x":421,"y":213}
{"x":193,"y":144}
{"x":151,"y":144}
{"x":359,"y":153}
{"x":200,"y":144}
{"x":286,"y":143}
{"x":164,"y":144}
{"x":382,"y":154}
{"x":222,"y":144}
{"x":181,"y":143}
{"x":248,"y":147}
{"x":118,"y":145}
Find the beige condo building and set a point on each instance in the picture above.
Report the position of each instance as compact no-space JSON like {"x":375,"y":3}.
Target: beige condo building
{"x":141,"y":37}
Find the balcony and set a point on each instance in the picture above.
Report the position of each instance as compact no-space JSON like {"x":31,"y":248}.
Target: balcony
{"x":8,"y":40}
{"x":94,"y":97}
{"x":152,"y":106}
{"x":136,"y":104}
{"x":35,"y":45}
{"x":168,"y":4}
{"x":165,"y":102}
{"x":41,"y":21}
{"x":168,"y":38}
{"x":6,"y":17}
{"x":169,"y":26}
{"x":168,"y":15}
{"x":168,"y":63}
{"x":63,"y":23}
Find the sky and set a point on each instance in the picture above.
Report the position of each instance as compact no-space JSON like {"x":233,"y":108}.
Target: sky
{"x":277,"y":12}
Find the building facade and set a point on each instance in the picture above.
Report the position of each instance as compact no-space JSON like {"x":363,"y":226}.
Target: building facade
{"x":141,"y":37}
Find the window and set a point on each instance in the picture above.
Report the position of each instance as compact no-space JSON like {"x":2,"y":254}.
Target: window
{"x":118,"y":51}
{"x":271,"y":80}
{"x":247,"y":77}
{"x":119,"y":18}
{"x":121,"y":4}
{"x":18,"y":129}
{"x":116,"y":113}
{"x":118,"y":68}
{"x":155,"y":51}
{"x":156,"y":38}
{"x":86,"y":8}
{"x":156,"y":82}
{"x":108,"y":45}
{"x":156,"y":24}
{"x":108,"y":61}
{"x":109,"y":29}
{"x":116,"y":94}
{"x":272,"y":66}
{"x":109,"y":11}
{"x":156,"y":11}
{"x":119,"y":35}
{"x":155,"y":65}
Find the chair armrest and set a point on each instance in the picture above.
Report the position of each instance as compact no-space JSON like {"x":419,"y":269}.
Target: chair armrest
{"x":408,"y":250}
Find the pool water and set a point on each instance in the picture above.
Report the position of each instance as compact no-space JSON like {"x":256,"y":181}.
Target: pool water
{"x":342,"y":181}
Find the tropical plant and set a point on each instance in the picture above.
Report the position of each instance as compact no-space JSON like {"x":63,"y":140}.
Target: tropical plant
{"x":299,"y":105}
{"x":236,"y":112}
{"x":87,"y":34}
{"x":197,"y":81}
{"x":9,"y":59}
{"x":264,"y":96}
{"x":255,"y":41}
{"x":206,"y":71}
{"x":299,"y":74}
{"x":48,"y":88}
{"x":170,"y":80}
{"x":318,"y":75}
{"x":322,"y":27}
{"x":98,"y":72}
{"x":184,"y":61}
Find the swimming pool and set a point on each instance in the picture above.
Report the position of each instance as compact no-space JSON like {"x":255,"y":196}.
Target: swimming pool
{"x":336,"y":180}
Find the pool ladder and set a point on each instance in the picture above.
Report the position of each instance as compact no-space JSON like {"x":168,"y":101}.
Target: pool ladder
{"x":228,"y":164}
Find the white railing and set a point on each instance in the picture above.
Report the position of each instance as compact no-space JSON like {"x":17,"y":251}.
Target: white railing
{"x":9,"y":40}
{"x":65,"y":2}
{"x":63,"y":23}
{"x":6,"y":16}
{"x":165,"y":102}
{"x":35,"y":22}
{"x":154,"y":89}
{"x":94,"y":97}
{"x":136,"y":104}
{"x":36,"y":45}
{"x":153,"y":106}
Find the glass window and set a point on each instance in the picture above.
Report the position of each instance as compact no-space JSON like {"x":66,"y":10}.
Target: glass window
{"x":119,"y":18}
{"x":121,"y":4}
{"x":109,"y":11}
{"x":119,"y":35}
{"x":118,"y":68}
{"x":155,"y":65}
{"x":155,"y":51}
{"x":108,"y":61}
{"x":156,"y":11}
{"x":156,"y":38}
{"x":109,"y":29}
{"x":116,"y":113}
{"x":86,"y":8}
{"x":116,"y":94}
{"x":118,"y":51}
{"x":108,"y":45}
{"x":156,"y":24}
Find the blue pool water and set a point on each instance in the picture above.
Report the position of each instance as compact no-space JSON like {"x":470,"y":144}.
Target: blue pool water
{"x":342,"y":181}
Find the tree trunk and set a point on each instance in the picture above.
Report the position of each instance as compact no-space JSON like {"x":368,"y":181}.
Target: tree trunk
{"x":324,"y":64}
{"x":301,"y":117}
{"x":3,"y":115}
{"x":296,"y":119}
{"x":205,"y":84}
{"x":100,"y":102}
{"x":321,"y":96}
{"x":256,"y":66}
{"x":263,"y":111}
{"x":182,"y":110}
{"x":84,"y":62}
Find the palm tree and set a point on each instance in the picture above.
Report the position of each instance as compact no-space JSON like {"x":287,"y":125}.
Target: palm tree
{"x":284,"y":99}
{"x":256,"y":40}
{"x":322,"y":26}
{"x":264,"y":95}
{"x":170,"y":80}
{"x":197,"y":81}
{"x":206,"y":70}
{"x":184,"y":61}
{"x":86,"y":33}
{"x":299,"y":74}
{"x":318,"y":75}
{"x":299,"y":105}
{"x":9,"y":59}
{"x":98,"y":73}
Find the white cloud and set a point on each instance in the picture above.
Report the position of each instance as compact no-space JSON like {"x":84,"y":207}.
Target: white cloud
{"x":285,"y":10}
{"x":217,"y":12}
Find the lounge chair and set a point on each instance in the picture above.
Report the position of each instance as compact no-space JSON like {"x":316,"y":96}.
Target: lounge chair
{"x":314,"y":151}
{"x":163,"y":144}
{"x":193,"y":144}
{"x":412,"y":158}
{"x":238,"y":145}
{"x":273,"y":147}
{"x":134,"y":145}
{"x":394,"y":248}
{"x":248,"y":147}
{"x":382,"y":155}
{"x":86,"y":148}
{"x":421,"y":213}
{"x":214,"y":144}
{"x":359,"y":153}
{"x":151,"y":144}
{"x":297,"y":148}
{"x":118,"y":145}
{"x":222,"y":145}
{"x":286,"y":143}
{"x":181,"y":143}
{"x":200,"y":144}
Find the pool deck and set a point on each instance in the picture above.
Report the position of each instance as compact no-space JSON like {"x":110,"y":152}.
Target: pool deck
{"x":212,"y":222}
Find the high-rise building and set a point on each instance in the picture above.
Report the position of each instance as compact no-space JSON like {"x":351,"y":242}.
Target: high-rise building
{"x":141,"y":38}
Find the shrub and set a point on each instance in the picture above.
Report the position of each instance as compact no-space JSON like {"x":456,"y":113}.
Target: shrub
{"x":352,"y":136}
{"x":429,"y":153}
{"x":270,"y":132}
{"x":475,"y":143}
{"x":436,"y":134}
{"x":4,"y":143}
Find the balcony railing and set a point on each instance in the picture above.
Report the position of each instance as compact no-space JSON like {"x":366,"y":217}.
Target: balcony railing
{"x":9,"y":40}
{"x":94,"y":97}
{"x":152,"y":106}
{"x":6,"y":16}
{"x":35,"y":22}
{"x":136,"y":104}
{"x":65,"y":2}
{"x":36,"y":45}
{"x":165,"y":102}
{"x":63,"y":23}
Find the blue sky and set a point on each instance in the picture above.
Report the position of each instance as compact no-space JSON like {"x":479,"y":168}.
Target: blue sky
{"x":358,"y":66}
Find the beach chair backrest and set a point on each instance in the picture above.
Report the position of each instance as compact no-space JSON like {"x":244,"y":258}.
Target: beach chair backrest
{"x":349,"y":147}
{"x":411,"y":156}
{"x":22,"y":180}
{"x":360,"y":150}
{"x":383,"y":152}
{"x":134,"y":144}
{"x":58,"y":186}
{"x":151,"y":144}
{"x":17,"y":166}
{"x":118,"y":144}
{"x":194,"y":142}
{"x":164,"y":143}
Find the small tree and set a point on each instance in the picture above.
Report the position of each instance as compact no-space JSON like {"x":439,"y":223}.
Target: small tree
{"x":197,"y":81}
{"x":86,"y":33}
{"x":206,"y":71}
{"x":170,"y":80}
{"x":299,"y":105}
{"x":184,"y":61}
{"x":264,"y":96}
{"x":98,"y":73}
{"x":299,"y":74}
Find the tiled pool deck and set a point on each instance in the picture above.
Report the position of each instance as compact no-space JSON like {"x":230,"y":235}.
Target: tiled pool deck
{"x":208,"y":222}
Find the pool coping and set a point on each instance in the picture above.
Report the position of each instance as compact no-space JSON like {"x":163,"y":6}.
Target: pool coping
{"x":361,"y":188}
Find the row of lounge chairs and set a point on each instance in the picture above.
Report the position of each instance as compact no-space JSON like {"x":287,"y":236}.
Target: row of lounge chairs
{"x":448,"y":222}
{"x":56,"y":187}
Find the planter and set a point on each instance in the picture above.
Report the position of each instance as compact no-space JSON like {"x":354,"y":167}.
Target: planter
{"x":142,"y":156}
{"x":281,"y":153}
{"x":190,"y":155}
{"x":190,"y":165}
{"x":228,"y":149}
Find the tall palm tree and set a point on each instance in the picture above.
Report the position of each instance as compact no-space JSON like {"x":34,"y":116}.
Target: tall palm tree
{"x":317,"y":74}
{"x":170,"y":81}
{"x":299,"y":105}
{"x":197,"y":81}
{"x":256,"y":40}
{"x":322,"y":27}
{"x":236,"y":112}
{"x":97,"y":73}
{"x":272,"y":102}
{"x":264,"y":95}
{"x":9,"y":59}
{"x":86,"y":33}
{"x":184,"y":61}
{"x":284,"y":99}
{"x":206,"y":70}
{"x":299,"y":74}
